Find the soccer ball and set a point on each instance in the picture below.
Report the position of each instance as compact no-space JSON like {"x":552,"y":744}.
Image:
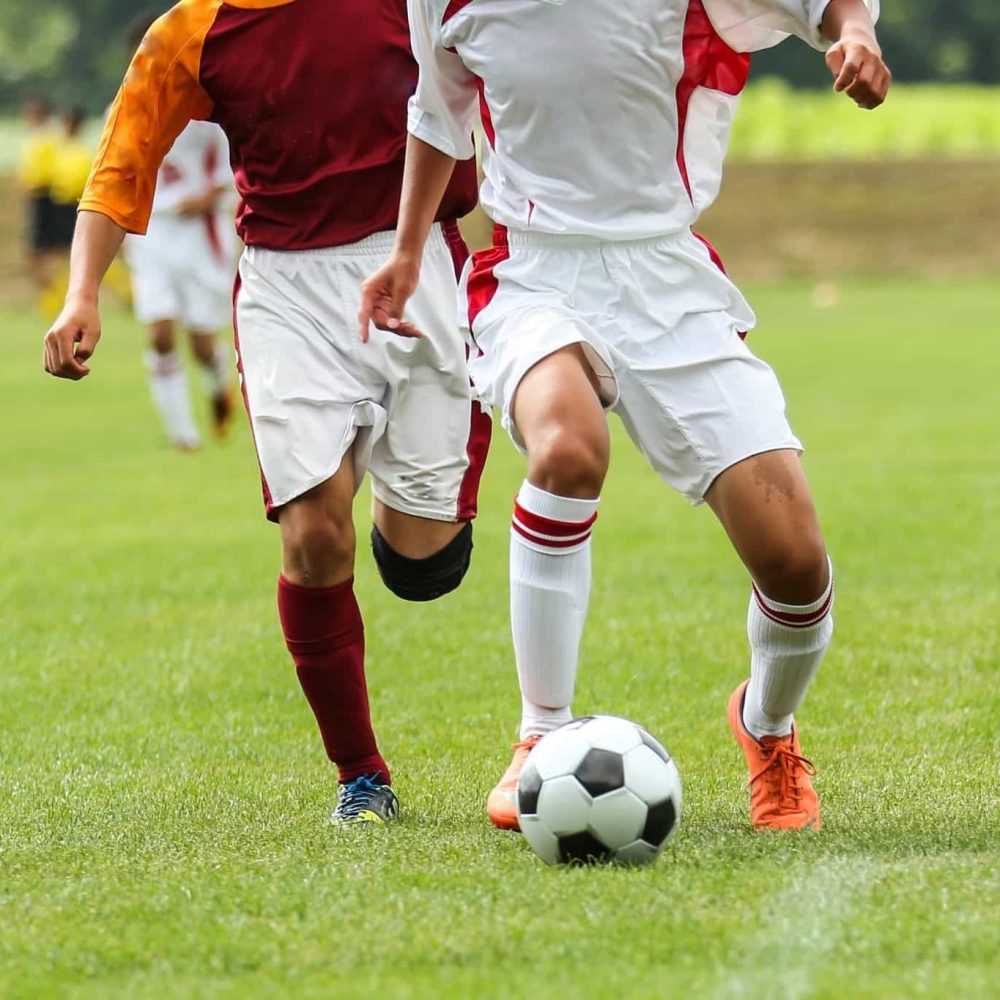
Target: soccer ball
{"x":598,"y":788}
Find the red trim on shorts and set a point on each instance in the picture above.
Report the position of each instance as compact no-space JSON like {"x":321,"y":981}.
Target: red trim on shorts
{"x":794,"y":620}
{"x":482,"y":284}
{"x":708,"y":62}
{"x":269,"y":509}
{"x":477,"y":446}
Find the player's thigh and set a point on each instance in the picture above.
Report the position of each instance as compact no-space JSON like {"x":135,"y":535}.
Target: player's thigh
{"x":309,"y":398}
{"x":765,"y":505}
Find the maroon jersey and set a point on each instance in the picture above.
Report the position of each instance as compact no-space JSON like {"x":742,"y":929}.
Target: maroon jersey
{"x":312,"y":96}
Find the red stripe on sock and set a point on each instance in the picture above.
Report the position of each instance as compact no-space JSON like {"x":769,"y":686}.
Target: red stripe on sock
{"x":794,"y":620}
{"x":548,"y":526}
{"x":326,"y":637}
{"x":562,"y":543}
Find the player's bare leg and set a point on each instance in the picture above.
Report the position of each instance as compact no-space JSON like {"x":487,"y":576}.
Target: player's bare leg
{"x":213,"y":361}
{"x":325,"y":635}
{"x":168,"y":386}
{"x":766,"y":508}
{"x":559,"y":417}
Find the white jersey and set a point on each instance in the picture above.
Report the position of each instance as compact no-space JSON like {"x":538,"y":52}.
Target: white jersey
{"x":602,"y":118}
{"x":197,"y":161}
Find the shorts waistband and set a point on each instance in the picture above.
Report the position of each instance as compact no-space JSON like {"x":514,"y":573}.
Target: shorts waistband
{"x":440,"y":237}
{"x":520,"y":238}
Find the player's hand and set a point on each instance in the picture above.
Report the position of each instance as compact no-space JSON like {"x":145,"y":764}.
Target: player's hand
{"x":73,"y":339}
{"x":384,"y":296}
{"x":859,"y":71}
{"x":197,"y":205}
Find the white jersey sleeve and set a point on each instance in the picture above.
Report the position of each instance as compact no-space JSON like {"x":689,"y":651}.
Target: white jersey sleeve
{"x":443,"y":111}
{"x":750,"y":25}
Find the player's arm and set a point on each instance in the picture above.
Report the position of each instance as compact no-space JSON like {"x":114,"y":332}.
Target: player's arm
{"x":159,"y":96}
{"x":385,"y":293}
{"x":441,"y":117}
{"x":74,"y":335}
{"x":855,"y":58}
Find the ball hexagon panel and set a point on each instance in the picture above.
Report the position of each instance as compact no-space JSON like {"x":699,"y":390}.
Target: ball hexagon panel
{"x":661,"y":820}
{"x":563,"y":806}
{"x":611,"y":733}
{"x":582,"y":847}
{"x":637,"y":854}
{"x":559,"y":753}
{"x":651,"y":777}
{"x":543,"y":843}
{"x":618,"y":818}
{"x":600,"y":771}
{"x":528,"y":787}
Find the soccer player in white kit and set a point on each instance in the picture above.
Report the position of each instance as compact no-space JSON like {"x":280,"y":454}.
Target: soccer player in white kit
{"x":182,"y":277}
{"x":606,"y":126}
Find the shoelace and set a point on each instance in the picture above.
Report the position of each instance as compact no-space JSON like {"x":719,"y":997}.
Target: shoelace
{"x":782,"y":767}
{"x":357,"y":794}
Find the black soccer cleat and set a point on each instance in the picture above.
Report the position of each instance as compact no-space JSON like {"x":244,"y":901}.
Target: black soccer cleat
{"x":365,"y":799}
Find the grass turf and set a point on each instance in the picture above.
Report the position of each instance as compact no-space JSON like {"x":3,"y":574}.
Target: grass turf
{"x":163,"y":796}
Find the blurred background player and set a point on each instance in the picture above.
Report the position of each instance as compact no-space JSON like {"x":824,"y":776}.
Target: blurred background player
{"x":317,"y":138}
{"x":182,"y":275}
{"x":35,"y":177}
{"x":597,"y":295}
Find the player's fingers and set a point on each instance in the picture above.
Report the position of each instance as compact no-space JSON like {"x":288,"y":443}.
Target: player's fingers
{"x":835,"y":59}
{"x":366,"y":310}
{"x":848,"y":73}
{"x":86,"y":343}
{"x":66,"y":364}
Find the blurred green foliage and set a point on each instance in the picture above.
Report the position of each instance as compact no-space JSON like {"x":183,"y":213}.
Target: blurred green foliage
{"x":74,"y":51}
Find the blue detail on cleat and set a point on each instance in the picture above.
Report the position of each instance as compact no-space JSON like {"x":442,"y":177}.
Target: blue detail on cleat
{"x":365,"y":799}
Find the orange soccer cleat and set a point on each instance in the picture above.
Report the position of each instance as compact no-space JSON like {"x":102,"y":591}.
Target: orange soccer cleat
{"x":501,"y":805}
{"x":781,"y":793}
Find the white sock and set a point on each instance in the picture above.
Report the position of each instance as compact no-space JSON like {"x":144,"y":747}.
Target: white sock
{"x":549,"y":594}
{"x":215,"y":373}
{"x":168,"y":385}
{"x":787,"y":643}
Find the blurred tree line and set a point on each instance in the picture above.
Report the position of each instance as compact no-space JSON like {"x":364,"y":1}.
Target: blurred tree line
{"x":73,"y":51}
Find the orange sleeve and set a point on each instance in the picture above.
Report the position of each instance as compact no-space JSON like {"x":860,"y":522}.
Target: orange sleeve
{"x":161,"y":93}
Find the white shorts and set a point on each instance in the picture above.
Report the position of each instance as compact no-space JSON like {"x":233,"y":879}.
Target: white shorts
{"x":183,"y":270}
{"x":314,"y":391}
{"x":661,"y":325}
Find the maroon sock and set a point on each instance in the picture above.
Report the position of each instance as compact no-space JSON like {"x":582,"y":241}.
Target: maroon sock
{"x":325,"y":635}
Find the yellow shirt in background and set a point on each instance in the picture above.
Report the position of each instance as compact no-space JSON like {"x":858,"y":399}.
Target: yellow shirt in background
{"x":38,"y":162}
{"x":70,"y":170}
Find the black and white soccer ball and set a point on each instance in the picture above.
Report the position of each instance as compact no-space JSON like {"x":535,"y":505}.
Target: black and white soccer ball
{"x":599,"y":788}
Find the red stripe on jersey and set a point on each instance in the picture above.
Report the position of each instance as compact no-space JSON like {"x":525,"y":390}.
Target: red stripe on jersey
{"x":548,"y":542}
{"x":482,"y":284}
{"x":269,"y":510}
{"x":453,"y":8}
{"x":484,"y":113}
{"x":708,"y":62}
{"x":549,"y":526}
{"x":794,"y":620}
{"x":480,"y":422}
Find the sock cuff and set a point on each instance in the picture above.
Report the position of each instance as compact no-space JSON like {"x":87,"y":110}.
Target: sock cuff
{"x":550,"y":523}
{"x":163,"y":365}
{"x":797,"y":615}
{"x":326,"y":615}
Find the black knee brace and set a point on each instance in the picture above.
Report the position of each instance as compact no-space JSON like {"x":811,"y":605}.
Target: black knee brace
{"x":424,"y":579}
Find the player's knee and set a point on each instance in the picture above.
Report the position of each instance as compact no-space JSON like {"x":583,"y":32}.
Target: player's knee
{"x":571,"y":462}
{"x":316,"y":546}
{"x":796,"y":572}
{"x":424,"y":579}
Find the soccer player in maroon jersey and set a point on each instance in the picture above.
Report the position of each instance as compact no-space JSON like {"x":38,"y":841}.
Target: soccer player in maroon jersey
{"x":312,"y":97}
{"x":606,"y":127}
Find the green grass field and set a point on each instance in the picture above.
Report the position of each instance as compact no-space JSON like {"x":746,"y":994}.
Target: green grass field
{"x":163,"y":797}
